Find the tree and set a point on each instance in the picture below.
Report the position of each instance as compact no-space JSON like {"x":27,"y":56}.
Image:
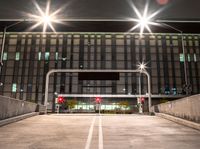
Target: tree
{"x":123,"y":104}
{"x":163,"y":100}
{"x":71,"y":103}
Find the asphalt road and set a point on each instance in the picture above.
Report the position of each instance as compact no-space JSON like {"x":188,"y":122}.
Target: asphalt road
{"x":86,"y":131}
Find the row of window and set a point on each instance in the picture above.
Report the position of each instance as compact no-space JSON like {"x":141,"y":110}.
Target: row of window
{"x":17,"y":56}
{"x":100,"y":34}
{"x":108,"y":40}
{"x":167,"y":90}
{"x":189,"y":57}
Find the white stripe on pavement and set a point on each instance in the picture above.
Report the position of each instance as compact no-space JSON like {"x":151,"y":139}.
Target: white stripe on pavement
{"x":100,"y":133}
{"x":89,"y":138}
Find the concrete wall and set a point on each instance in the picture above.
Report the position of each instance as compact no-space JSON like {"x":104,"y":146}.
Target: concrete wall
{"x":10,"y":107}
{"x":186,"y":108}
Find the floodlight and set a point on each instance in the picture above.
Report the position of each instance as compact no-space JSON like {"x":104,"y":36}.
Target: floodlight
{"x":142,"y":66}
{"x":144,"y":20}
{"x":45,"y":18}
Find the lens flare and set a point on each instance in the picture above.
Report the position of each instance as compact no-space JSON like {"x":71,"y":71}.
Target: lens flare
{"x":45,"y":18}
{"x":142,"y":66}
{"x":144,"y":20}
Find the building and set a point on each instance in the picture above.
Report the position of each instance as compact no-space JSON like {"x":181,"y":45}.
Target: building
{"x":28,"y":56}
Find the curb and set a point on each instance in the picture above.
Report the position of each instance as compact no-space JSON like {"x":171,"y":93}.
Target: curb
{"x":179,"y":121}
{"x":17,"y":118}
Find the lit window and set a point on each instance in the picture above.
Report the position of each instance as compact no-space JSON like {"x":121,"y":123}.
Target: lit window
{"x":17,"y":56}
{"x":195,"y":58}
{"x":56,"y":56}
{"x":5,"y":56}
{"x":14,"y":87}
{"x":189,"y":59}
{"x":167,"y":90}
{"x":181,"y":57}
{"x":47,"y":55}
{"x":174,"y":90}
{"x":39,"y":55}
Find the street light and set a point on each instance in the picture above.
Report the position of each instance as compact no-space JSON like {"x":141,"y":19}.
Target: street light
{"x":141,"y":67}
{"x":143,"y":19}
{"x":46,"y":18}
{"x":183,"y":50}
{"x":3,"y":42}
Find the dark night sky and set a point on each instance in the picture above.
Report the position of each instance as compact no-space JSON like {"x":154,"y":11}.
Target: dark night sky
{"x":103,"y":9}
{"x":174,"y":9}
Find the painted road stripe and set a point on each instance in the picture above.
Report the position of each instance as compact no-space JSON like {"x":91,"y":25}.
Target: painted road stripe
{"x":100,"y":133}
{"x":89,"y":138}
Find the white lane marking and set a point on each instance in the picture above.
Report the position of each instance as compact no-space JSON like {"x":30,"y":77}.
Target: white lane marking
{"x":89,"y":138}
{"x":100,"y":133}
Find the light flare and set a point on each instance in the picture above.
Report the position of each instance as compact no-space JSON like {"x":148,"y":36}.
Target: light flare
{"x":45,"y":18}
{"x":142,"y":66}
{"x":143,"y":19}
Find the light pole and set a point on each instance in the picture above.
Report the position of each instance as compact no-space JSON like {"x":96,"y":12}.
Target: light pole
{"x":140,"y":94}
{"x":46,"y":18}
{"x":3,"y":42}
{"x":99,"y":108}
{"x":183,"y":50}
{"x":141,"y":68}
{"x":4,"y":39}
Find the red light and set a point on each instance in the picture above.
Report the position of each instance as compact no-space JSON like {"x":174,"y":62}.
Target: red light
{"x":142,"y":99}
{"x":60,"y":100}
{"x":98,"y":100}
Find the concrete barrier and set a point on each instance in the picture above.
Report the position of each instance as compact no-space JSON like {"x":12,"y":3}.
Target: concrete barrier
{"x":17,"y":118}
{"x":10,"y":107}
{"x":41,"y":109}
{"x":186,"y":108}
{"x":179,"y":121}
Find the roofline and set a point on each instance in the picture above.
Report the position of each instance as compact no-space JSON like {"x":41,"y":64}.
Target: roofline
{"x":102,"y":33}
{"x":100,"y":20}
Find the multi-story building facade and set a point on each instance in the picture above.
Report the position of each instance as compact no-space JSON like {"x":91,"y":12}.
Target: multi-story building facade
{"x":29,"y":56}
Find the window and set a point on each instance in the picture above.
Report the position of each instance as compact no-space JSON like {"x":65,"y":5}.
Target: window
{"x":189,"y":58}
{"x":195,"y":57}
{"x":5,"y":56}
{"x":17,"y":56}
{"x":181,"y":57}
{"x":39,"y":55}
{"x":47,"y":55}
{"x":56,"y":56}
{"x":174,"y":90}
{"x":167,"y":90}
{"x":14,"y":87}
